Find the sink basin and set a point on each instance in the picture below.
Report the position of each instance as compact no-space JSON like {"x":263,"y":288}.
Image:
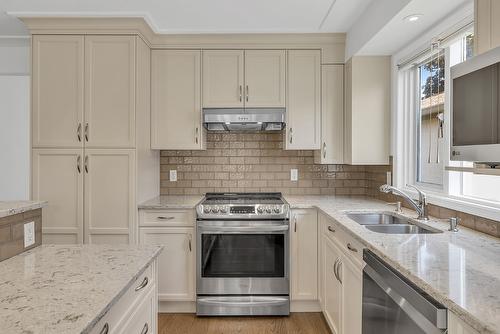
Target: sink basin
{"x":389,"y":223}
{"x":363,"y":218}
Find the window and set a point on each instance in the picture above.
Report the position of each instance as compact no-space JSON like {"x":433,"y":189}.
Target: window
{"x":422,"y":133}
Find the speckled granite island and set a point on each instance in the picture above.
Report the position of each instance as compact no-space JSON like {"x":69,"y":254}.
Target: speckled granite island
{"x":460,"y":270}
{"x":78,"y":288}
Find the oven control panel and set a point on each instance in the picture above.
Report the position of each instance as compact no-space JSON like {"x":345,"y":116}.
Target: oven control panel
{"x":242,"y":210}
{"x":260,"y":209}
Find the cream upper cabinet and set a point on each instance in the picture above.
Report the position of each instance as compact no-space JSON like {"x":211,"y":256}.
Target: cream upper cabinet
{"x":57,"y":177}
{"x":303,"y":100}
{"x":176,"y":99}
{"x":110,"y":91}
{"x":57,"y":91}
{"x":176,"y":270}
{"x":223,"y":79}
{"x":332,"y":288}
{"x":486,"y":25}
{"x":109,"y":195}
{"x":332,"y":116}
{"x":367,"y":110}
{"x":265,"y":78}
{"x":304,"y":255}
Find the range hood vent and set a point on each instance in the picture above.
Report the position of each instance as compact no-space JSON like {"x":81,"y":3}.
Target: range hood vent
{"x":244,"y":119}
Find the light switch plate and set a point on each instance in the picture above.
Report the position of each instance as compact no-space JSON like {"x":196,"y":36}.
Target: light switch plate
{"x":29,"y":234}
{"x":294,"y":174}
{"x":173,"y":175}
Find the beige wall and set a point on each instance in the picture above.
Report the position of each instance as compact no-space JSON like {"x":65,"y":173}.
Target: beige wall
{"x":256,"y":162}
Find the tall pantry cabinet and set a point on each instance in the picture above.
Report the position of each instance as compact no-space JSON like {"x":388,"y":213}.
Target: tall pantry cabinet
{"x":87,"y":92}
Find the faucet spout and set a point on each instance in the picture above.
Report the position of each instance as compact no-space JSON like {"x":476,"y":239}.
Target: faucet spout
{"x":420,"y":206}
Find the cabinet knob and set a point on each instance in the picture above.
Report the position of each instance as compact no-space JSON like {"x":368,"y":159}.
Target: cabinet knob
{"x":331,"y":229}
{"x":352,"y":249}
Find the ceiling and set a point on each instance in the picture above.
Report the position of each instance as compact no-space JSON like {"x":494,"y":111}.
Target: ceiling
{"x":200,"y":16}
{"x":398,"y":32}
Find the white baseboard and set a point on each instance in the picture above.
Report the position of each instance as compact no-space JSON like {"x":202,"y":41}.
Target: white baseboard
{"x":305,"y":306}
{"x":176,"y":307}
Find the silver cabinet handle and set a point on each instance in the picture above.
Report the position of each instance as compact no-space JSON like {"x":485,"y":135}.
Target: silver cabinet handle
{"x":141,"y":286}
{"x":295,"y":223}
{"x":196,"y":135}
{"x":86,"y":164}
{"x":165,"y":217}
{"x":104,"y":329}
{"x":324,"y":150}
{"x":352,"y":249}
{"x":331,"y":229}
{"x":79,"y":132}
{"x":87,"y":132}
{"x":247,"y":93}
{"x":145,"y":328}
{"x":291,"y":135}
{"x":339,"y":268}
{"x":79,"y":164}
{"x":335,"y":268}
{"x":241,"y":93}
{"x":189,"y":244}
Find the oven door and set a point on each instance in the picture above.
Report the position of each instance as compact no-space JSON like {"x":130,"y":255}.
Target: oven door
{"x":242,"y":258}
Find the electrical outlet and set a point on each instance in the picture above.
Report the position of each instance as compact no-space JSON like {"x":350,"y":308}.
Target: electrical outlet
{"x":389,"y":178}
{"x":29,"y":234}
{"x":294,"y":174}
{"x":173,"y":175}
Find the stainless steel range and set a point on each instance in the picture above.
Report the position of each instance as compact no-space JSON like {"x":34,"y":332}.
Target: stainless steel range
{"x":242,"y":261}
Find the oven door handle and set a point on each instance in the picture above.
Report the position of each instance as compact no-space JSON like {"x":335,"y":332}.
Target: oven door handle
{"x":243,"y":229}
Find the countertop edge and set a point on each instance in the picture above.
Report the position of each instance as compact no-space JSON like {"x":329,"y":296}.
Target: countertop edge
{"x":106,"y":309}
{"x":147,"y":205}
{"x":34,"y":205}
{"x":451,"y":305}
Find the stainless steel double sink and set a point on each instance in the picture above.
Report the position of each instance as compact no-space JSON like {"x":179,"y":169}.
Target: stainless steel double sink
{"x":390,"y":223}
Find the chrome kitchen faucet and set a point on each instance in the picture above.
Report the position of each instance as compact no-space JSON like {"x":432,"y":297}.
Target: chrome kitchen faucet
{"x":420,"y":205}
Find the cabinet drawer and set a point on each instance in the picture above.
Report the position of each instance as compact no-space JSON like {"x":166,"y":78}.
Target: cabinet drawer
{"x":167,"y":218}
{"x":141,"y":321}
{"x":122,"y":309}
{"x":350,"y":246}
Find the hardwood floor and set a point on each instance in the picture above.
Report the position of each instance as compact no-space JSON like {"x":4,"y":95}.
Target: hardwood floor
{"x":296,"y":323}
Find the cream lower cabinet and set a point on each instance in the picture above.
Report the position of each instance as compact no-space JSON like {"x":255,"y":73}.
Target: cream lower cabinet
{"x":303,"y":100}
{"x":332,"y":116}
{"x":304,"y":255}
{"x":95,"y":184}
{"x":57,"y":177}
{"x":341,"y":279}
{"x":136,"y":311}
{"x":176,"y":100}
{"x":174,"y":229}
{"x":109,"y":195}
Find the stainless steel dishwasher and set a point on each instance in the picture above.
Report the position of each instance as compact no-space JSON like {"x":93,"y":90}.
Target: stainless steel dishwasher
{"x":393,"y":305}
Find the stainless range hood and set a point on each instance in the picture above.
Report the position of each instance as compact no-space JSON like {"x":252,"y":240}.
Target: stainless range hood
{"x":244,"y":119}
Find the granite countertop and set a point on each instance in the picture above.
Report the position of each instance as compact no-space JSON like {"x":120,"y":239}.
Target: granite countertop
{"x":67,"y":289}
{"x":460,"y":270}
{"x":171,"y":202}
{"x":9,"y":208}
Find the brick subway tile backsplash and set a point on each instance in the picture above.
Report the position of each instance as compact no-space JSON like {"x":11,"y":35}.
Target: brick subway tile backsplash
{"x":256,"y":161}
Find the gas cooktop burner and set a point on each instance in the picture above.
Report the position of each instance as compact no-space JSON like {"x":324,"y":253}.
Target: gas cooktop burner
{"x":243,"y":206}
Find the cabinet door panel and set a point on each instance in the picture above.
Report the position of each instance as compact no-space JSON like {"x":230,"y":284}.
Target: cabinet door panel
{"x":109,"y":195}
{"x":58,"y":178}
{"x":110,"y":91}
{"x":265,"y":78}
{"x":223,"y":78}
{"x":332,"y":115}
{"x":332,"y":289}
{"x":304,"y":267}
{"x":303,"y":100}
{"x":175,"y":96}
{"x":57,"y":90}
{"x":176,"y":272}
{"x":352,"y":296}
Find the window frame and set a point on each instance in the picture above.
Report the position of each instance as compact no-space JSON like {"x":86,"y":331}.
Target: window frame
{"x":405,"y":146}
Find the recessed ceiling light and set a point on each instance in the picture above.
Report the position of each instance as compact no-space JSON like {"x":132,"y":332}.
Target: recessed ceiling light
{"x":413,"y":17}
